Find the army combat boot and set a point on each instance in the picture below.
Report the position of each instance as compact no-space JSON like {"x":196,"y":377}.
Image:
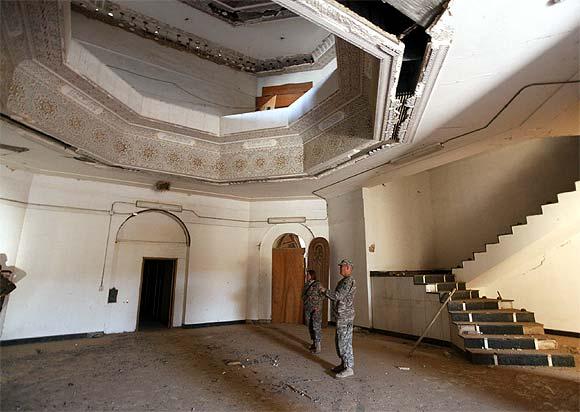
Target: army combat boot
{"x":338,"y":368}
{"x":345,"y":373}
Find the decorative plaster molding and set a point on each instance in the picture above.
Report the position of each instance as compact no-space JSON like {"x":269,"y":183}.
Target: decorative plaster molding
{"x":35,"y":77}
{"x":410,"y":108}
{"x":153,"y":29}
{"x":243,"y":14}
{"x":346,"y":24}
{"x":81,"y":99}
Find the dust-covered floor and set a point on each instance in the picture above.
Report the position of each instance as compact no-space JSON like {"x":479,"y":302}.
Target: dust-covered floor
{"x":187,"y":369}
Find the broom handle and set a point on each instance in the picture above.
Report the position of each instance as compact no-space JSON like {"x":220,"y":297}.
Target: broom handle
{"x":432,"y":321}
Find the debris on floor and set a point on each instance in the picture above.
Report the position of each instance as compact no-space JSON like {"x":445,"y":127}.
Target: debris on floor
{"x":233,"y":363}
{"x":191,"y":371}
{"x":300,"y":392}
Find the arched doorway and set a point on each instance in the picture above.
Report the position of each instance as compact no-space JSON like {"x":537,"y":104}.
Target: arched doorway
{"x":287,"y":278}
{"x":264,"y":281}
{"x":149,"y":268}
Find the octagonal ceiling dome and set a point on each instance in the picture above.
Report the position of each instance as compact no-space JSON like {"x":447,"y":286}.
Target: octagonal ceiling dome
{"x":171,"y":87}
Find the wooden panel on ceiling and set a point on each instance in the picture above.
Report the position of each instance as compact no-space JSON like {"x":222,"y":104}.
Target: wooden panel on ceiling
{"x":285,"y":100}
{"x":284,"y":95}
{"x":319,"y":261}
{"x":266,"y":103}
{"x":287,"y":283}
{"x":290,"y":88}
{"x":276,"y":102}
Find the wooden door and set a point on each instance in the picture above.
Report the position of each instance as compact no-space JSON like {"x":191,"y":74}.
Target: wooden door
{"x":287,"y":282}
{"x":318,"y":260}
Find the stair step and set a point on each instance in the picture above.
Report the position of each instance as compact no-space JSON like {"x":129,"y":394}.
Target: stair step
{"x":508,"y":342}
{"x":465,"y":294}
{"x":496,"y":315}
{"x":444,"y":287}
{"x":500,"y":328}
{"x":479,"y":303}
{"x":520,"y":357}
{"x":433,"y":278}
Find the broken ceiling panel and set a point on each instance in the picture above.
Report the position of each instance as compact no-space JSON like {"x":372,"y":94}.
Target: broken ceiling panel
{"x":422,"y":12}
{"x":236,"y":12}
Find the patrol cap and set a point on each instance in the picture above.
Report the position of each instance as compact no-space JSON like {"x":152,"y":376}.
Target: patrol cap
{"x":346,"y":262}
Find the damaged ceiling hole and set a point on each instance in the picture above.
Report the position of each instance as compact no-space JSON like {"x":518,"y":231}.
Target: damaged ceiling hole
{"x":410,"y":30}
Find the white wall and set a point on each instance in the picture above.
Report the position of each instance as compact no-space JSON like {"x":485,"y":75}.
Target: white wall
{"x":212,"y":88}
{"x":62,"y":254}
{"x":63,"y":249}
{"x":218,"y":267}
{"x":542,"y":279}
{"x":347,"y":240}
{"x":400,"y":224}
{"x":15,"y":185}
{"x":325,"y":84}
{"x":537,"y":265}
{"x":478,"y":198}
{"x":437,"y":218}
{"x":317,"y":77}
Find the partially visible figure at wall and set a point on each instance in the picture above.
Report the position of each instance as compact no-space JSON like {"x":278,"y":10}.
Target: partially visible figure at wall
{"x":312,"y":296}
{"x":6,"y":284}
{"x":343,"y":311}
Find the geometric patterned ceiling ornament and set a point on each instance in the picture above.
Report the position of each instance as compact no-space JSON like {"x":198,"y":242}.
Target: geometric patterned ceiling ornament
{"x":364,"y":114}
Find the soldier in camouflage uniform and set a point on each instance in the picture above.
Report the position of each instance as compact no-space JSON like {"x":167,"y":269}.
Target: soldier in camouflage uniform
{"x":343,"y":310}
{"x":312,"y":296}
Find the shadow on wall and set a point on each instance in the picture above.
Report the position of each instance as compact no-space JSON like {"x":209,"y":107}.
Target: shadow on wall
{"x":472,"y":210}
{"x":528,"y":179}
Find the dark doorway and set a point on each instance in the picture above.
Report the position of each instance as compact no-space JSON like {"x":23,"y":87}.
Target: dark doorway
{"x":157,"y":286}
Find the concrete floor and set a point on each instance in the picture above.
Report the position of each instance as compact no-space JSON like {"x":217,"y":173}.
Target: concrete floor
{"x":186,"y":369}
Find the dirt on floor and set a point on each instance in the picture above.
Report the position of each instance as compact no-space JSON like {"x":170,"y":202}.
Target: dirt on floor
{"x":267,"y":367}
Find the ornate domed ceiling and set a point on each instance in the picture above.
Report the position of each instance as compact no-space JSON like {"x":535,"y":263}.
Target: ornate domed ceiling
{"x":134,"y":100}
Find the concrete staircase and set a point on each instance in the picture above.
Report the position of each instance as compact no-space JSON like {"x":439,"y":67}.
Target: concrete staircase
{"x":566,"y":210}
{"x":491,"y":331}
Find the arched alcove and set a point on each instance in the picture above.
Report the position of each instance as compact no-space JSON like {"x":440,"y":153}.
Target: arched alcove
{"x":168,"y":228}
{"x":265,"y":269}
{"x":149,"y":235}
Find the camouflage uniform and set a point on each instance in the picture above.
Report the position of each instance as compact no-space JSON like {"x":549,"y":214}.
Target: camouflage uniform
{"x":343,"y":311}
{"x":312,"y":297}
